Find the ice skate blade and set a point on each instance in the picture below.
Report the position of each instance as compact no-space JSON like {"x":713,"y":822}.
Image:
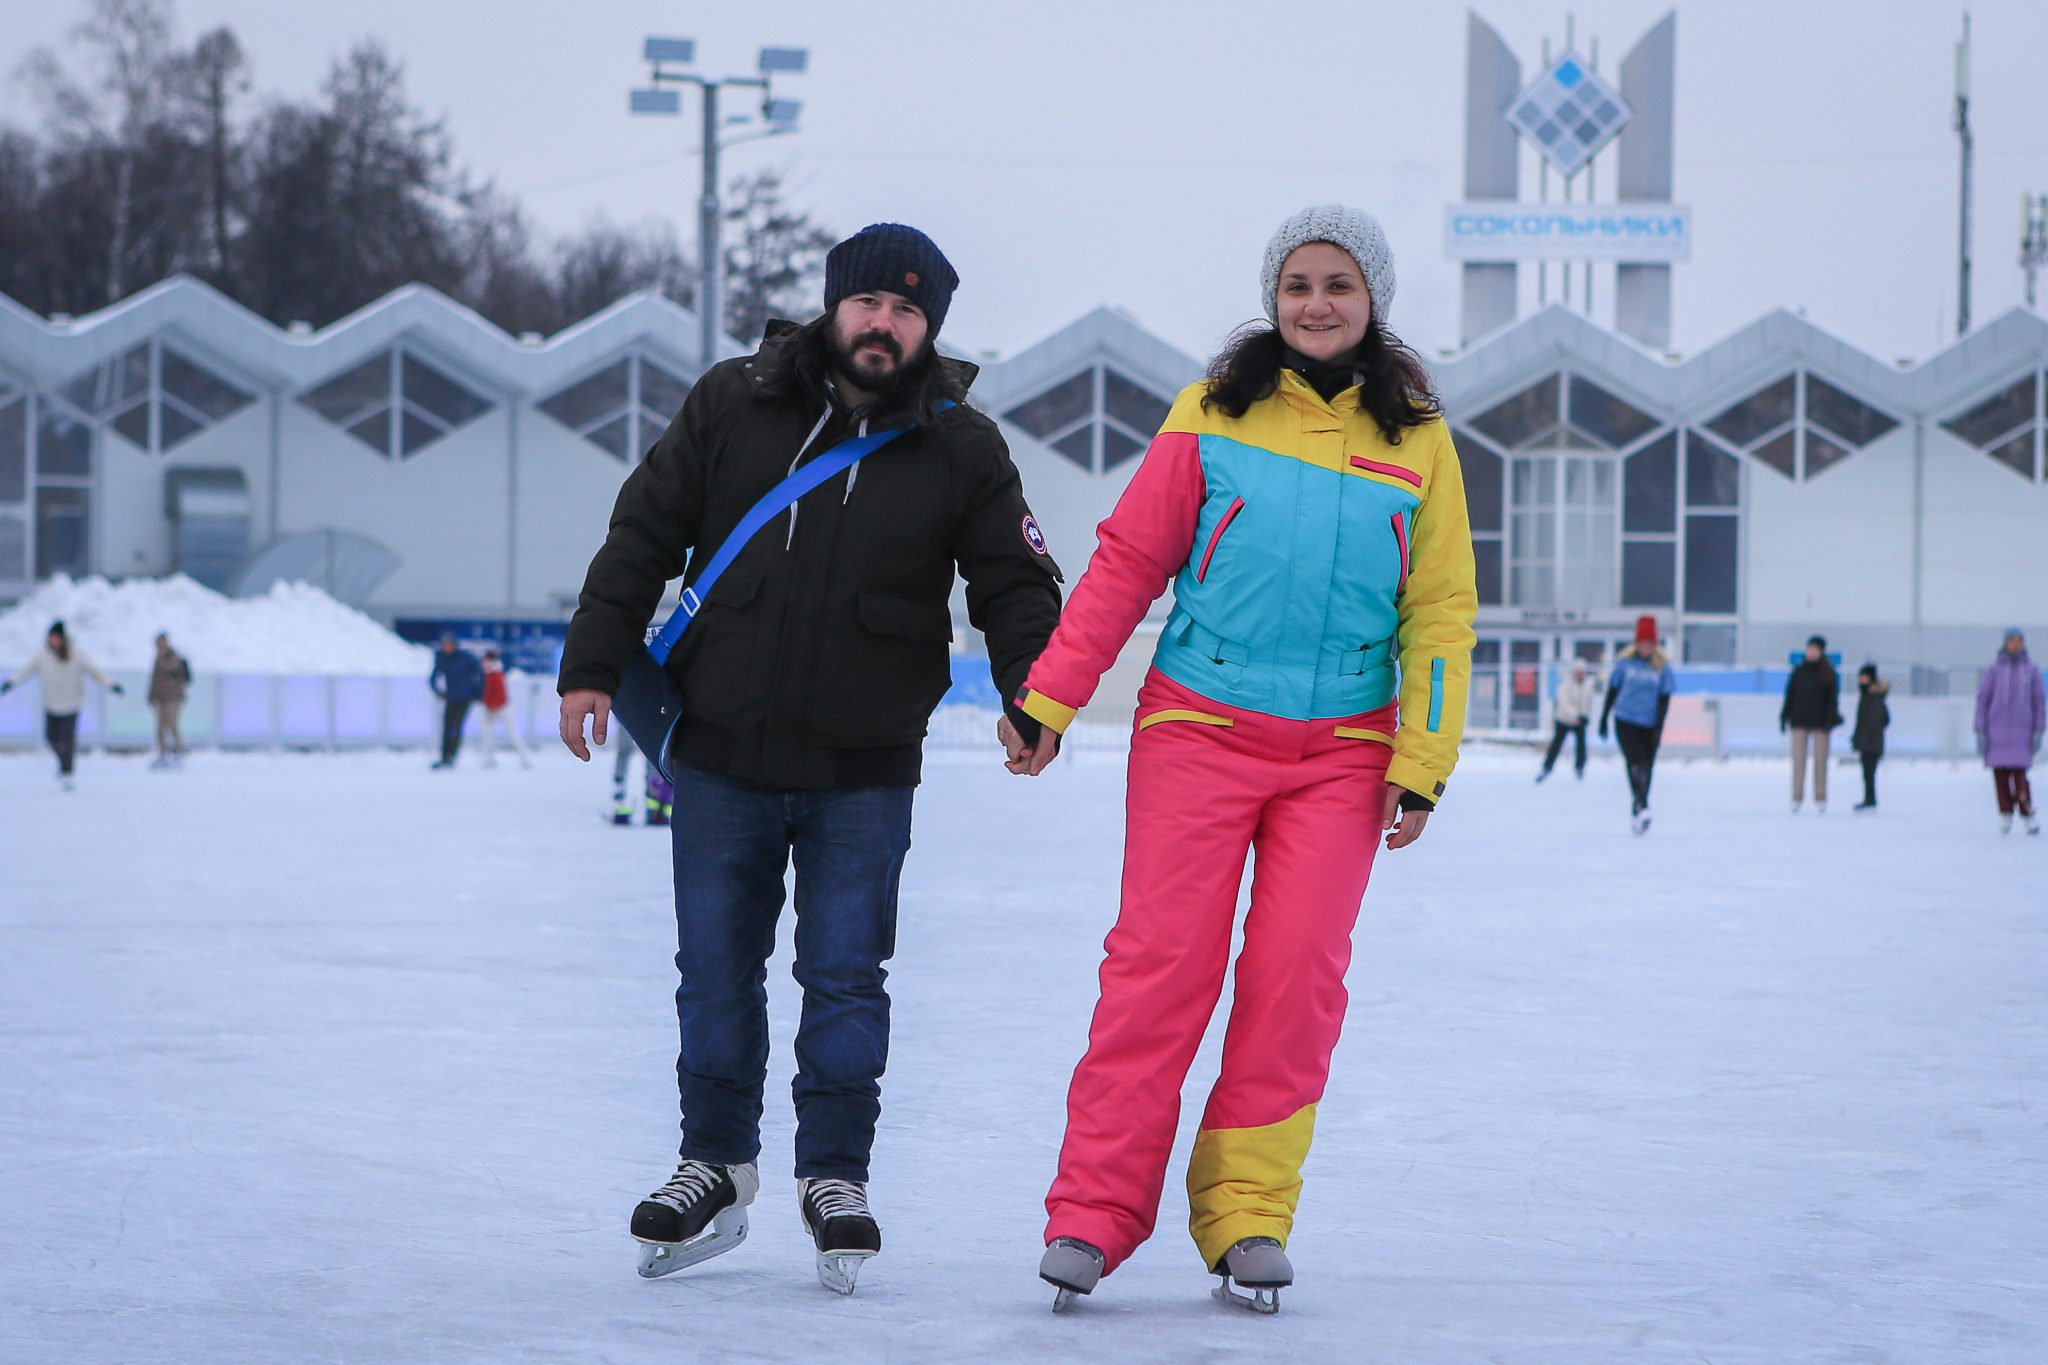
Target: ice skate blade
{"x":839,"y":1270}
{"x":728,"y":1229}
{"x":1062,"y":1297}
{"x":1263,"y":1298}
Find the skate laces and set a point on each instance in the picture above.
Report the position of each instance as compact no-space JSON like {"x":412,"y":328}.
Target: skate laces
{"x":691,"y":1182}
{"x":838,"y":1198}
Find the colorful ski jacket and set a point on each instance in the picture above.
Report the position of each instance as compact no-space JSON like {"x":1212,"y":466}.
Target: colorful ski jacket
{"x":1310,"y":560}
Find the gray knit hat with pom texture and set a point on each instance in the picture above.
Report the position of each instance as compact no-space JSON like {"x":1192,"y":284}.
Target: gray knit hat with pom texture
{"x":1355,"y":230}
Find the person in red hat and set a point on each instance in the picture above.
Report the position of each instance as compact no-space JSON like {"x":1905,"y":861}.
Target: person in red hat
{"x":1638,"y":698}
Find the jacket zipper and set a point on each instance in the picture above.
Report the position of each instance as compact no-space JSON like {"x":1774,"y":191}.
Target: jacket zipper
{"x":1236,"y":506}
{"x":1401,"y":540}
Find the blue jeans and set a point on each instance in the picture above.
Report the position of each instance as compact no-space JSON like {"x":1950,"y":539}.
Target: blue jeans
{"x":733,"y":842}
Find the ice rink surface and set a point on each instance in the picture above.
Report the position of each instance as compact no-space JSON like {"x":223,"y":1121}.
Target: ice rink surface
{"x":331,"y":1058}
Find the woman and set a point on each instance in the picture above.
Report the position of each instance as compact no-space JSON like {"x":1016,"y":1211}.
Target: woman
{"x":63,"y":669}
{"x":1307,"y":506}
{"x":1811,"y":710}
{"x":1639,"y":698}
{"x":1571,"y":710}
{"x":1872,"y":716}
{"x":169,"y":676}
{"x":2011,"y":716}
{"x":497,"y":711}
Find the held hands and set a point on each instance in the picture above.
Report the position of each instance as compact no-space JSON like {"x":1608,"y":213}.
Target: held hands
{"x":1027,"y":760}
{"x":1404,"y":826}
{"x":577,"y":705}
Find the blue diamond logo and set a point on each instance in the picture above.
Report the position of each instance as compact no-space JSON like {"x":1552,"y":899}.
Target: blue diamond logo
{"x":1569,"y":74}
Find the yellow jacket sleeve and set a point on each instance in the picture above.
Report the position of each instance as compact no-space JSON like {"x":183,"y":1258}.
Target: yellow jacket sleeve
{"x":1437,"y":608}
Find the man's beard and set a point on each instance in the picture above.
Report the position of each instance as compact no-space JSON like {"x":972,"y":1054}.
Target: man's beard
{"x":873,"y":373}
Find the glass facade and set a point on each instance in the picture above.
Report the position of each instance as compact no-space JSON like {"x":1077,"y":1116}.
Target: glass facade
{"x":2009,"y":427}
{"x":396,"y":403}
{"x":1801,"y":425}
{"x":621,"y":409}
{"x":154,"y":396}
{"x":1098,"y":418}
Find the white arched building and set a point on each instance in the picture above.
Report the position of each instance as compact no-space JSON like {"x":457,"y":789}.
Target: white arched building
{"x":424,"y":463}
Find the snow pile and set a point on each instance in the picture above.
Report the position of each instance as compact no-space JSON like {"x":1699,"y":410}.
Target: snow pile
{"x":293,"y":628}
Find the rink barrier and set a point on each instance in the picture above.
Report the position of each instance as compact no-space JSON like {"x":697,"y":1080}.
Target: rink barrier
{"x":270,"y":711}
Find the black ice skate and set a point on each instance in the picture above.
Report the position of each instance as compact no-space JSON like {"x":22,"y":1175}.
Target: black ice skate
{"x":1071,"y":1266}
{"x":700,"y":1213}
{"x":836,"y":1215}
{"x":1257,"y":1264}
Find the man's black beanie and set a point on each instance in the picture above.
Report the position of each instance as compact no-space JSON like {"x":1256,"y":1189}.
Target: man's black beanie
{"x":897,"y":259}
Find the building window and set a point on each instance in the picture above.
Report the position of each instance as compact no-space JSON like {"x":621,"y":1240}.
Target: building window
{"x":1649,"y":573}
{"x":1482,"y":469}
{"x":1801,"y":425}
{"x":1099,"y":418}
{"x":1566,"y":442}
{"x":622,"y":408}
{"x":14,"y":484}
{"x":2008,"y":426}
{"x":154,"y":396}
{"x":1712,"y":542}
{"x":395,"y":403}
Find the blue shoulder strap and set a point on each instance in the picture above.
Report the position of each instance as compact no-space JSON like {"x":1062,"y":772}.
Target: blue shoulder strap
{"x":772,"y":504}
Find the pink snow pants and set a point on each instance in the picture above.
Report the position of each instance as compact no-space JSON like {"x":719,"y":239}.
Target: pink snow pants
{"x":1208,"y":784}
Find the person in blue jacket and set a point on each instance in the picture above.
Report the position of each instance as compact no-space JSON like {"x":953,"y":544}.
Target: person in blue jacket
{"x":1638,"y":697}
{"x":458,"y":680}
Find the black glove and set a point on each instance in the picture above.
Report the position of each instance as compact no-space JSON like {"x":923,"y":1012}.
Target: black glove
{"x":1603,"y":729}
{"x":5,"y":687}
{"x":118,"y":690}
{"x":1781,"y":725}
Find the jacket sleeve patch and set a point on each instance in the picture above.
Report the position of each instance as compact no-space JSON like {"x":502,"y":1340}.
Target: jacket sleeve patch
{"x":1033,"y":537}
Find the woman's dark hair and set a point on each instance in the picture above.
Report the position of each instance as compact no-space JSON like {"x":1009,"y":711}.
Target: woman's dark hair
{"x":63,"y":647}
{"x":1396,"y":388}
{"x":797,"y":363}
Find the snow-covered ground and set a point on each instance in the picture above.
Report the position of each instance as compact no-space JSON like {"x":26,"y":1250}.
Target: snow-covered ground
{"x":336,"y":1059}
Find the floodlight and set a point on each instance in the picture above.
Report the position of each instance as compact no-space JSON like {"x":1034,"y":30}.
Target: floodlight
{"x":790,"y":59}
{"x":655,"y":102}
{"x":680,"y":50}
{"x":781,"y":113}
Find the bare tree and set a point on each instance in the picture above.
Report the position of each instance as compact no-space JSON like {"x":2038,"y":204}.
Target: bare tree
{"x":215,"y":74}
{"x":776,"y":253}
{"x":131,"y":65}
{"x":604,"y":263}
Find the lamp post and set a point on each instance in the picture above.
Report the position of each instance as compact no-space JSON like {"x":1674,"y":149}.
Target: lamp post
{"x":777,"y":116}
{"x":1962,"y":125}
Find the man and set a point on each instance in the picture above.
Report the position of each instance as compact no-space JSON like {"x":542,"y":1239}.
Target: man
{"x":807,"y":680}
{"x":1812,"y":709}
{"x":458,"y":680}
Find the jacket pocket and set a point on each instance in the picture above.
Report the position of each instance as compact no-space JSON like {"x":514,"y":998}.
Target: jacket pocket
{"x":1361,"y":732}
{"x":906,"y":619}
{"x":1400,"y":523}
{"x":1216,"y":538}
{"x":734,"y":588}
{"x":1175,"y":713}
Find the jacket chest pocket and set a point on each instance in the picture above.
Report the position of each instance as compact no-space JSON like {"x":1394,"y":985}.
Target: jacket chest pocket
{"x":1216,"y":535}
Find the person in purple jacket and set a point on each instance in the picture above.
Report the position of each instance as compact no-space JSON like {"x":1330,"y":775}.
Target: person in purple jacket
{"x":2011,"y":716}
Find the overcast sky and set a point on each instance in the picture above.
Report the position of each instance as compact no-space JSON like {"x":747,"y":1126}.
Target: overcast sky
{"x":1068,"y":154}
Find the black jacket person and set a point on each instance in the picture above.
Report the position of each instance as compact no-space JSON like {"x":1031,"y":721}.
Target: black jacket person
{"x":808,"y":679}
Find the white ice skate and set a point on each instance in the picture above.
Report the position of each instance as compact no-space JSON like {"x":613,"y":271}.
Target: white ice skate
{"x":700,"y":1213}
{"x":1257,"y":1264}
{"x":2005,"y":824}
{"x":2033,"y":825}
{"x":836,"y":1214}
{"x":1071,"y":1266}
